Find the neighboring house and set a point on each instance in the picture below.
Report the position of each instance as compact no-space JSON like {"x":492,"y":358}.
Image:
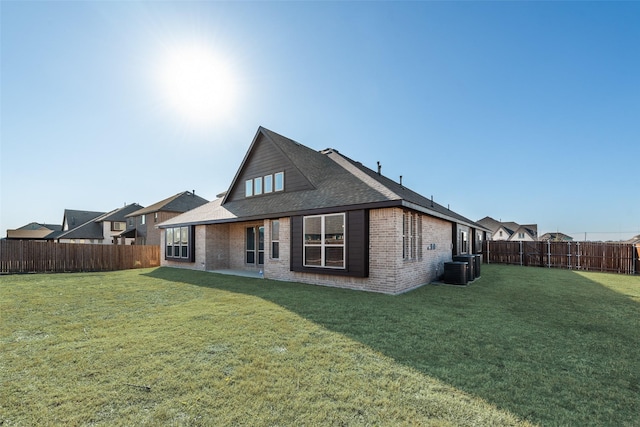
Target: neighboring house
{"x":96,"y":227}
{"x":510,"y":230}
{"x":556,"y":237}
{"x":145,"y":232}
{"x":634,"y":240}
{"x":295,"y":214}
{"x":34,"y":231}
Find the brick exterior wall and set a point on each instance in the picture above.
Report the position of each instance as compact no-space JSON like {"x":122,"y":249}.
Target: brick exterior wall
{"x":388,"y":272}
{"x":222,"y":246}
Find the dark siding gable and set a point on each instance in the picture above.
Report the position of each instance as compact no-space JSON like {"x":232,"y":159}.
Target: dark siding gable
{"x":265,"y":158}
{"x":357,"y":251}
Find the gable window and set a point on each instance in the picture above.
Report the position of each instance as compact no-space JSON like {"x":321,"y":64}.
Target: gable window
{"x":177,"y":243}
{"x":268,"y":184}
{"x":257,"y":186}
{"x":279,"y":181}
{"x":521,"y":235}
{"x":275,"y":239}
{"x":142,"y":217}
{"x":324,"y":243}
{"x":264,"y":184}
{"x":155,"y":217}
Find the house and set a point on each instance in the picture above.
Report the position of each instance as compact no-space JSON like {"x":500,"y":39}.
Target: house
{"x":95,"y":227}
{"x":635,"y":240}
{"x":144,"y":231}
{"x":295,"y":214}
{"x":556,"y":237}
{"x":510,"y":230}
{"x":34,"y":231}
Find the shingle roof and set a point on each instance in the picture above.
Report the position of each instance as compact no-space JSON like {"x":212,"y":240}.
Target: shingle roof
{"x":75,"y":218}
{"x":338,"y":182}
{"x":92,"y":228}
{"x":180,"y":202}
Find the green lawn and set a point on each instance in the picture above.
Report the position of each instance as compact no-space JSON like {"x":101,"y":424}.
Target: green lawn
{"x":176,"y":347}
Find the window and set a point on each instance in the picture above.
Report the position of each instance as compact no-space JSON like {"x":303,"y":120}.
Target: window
{"x":275,"y":239}
{"x":155,"y":217}
{"x":258,"y":186}
{"x":411,"y":236}
{"x":255,"y":249}
{"x":268,"y":184}
{"x":118,"y":226}
{"x":324,"y":244}
{"x":264,"y":184}
{"x":464,"y":242}
{"x":177,"y":241}
{"x":279,"y":181}
{"x":142,"y":217}
{"x":520,"y":235}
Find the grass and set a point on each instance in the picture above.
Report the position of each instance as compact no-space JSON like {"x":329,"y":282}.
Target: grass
{"x":176,"y":347}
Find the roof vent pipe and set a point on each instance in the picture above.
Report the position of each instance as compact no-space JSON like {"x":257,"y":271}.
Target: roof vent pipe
{"x":432,"y":200}
{"x":400,"y":179}
{"x":379,"y":168}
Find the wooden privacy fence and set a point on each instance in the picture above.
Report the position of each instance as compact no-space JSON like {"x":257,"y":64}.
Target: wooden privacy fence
{"x":23,"y":256}
{"x":588,"y":256}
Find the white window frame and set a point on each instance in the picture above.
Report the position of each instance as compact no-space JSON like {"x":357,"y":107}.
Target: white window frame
{"x":323,"y":245}
{"x":277,"y":187}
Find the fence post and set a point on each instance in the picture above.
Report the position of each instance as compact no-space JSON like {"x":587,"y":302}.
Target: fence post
{"x":520,"y":252}
{"x":578,"y":253}
{"x":488,"y":262}
{"x":548,"y":253}
{"x":569,"y":266}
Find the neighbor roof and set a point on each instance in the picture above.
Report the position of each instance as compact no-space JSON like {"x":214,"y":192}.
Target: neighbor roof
{"x":92,"y":228}
{"x":335,"y":182}
{"x":180,"y":202}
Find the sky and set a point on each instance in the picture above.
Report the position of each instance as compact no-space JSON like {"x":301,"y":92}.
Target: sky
{"x":522,"y":111}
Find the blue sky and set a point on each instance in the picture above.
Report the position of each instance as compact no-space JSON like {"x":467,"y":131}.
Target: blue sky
{"x":523,"y":111}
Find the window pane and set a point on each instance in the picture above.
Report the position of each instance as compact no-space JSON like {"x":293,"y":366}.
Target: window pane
{"x":261,"y":238}
{"x":312,"y":255}
{"x":279,"y":181}
{"x":313,"y":230}
{"x":268,"y":183}
{"x":169,"y":250}
{"x":251,"y":257}
{"x":334,"y":257}
{"x":184,"y":251}
{"x":248,"y":188}
{"x":185,"y":235}
{"x":169,"y":237}
{"x":275,"y":249}
{"x":275,"y":230}
{"x":261,"y":258}
{"x":176,"y":235}
{"x":334,"y":229}
{"x":176,"y":251}
{"x":251,"y":239}
{"x":258,"y":186}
